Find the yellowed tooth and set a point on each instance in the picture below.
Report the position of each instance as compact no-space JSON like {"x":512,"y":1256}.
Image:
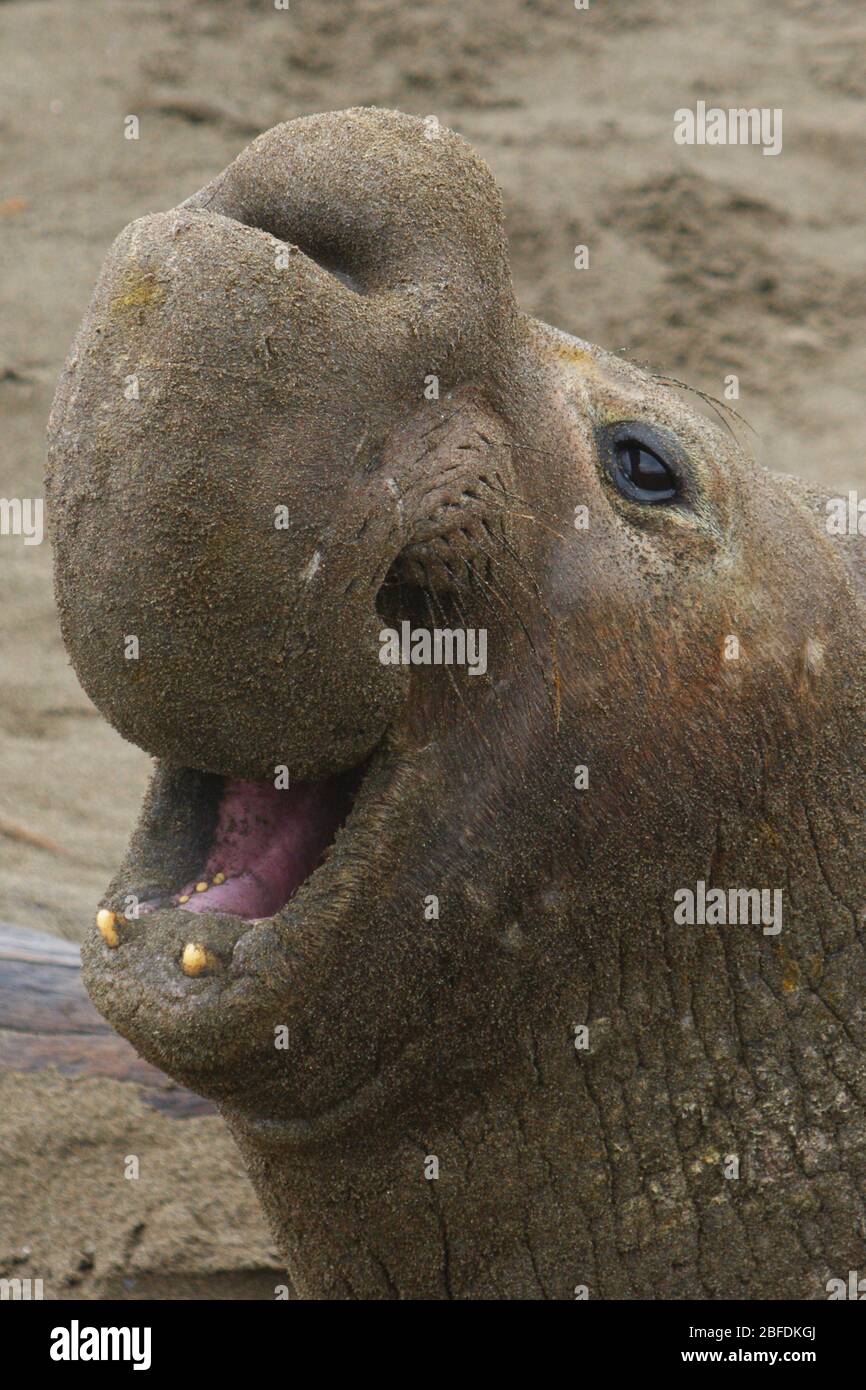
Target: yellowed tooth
{"x":184,"y":898}
{"x":219,"y":878}
{"x":106,"y":924}
{"x":196,"y":959}
{"x":201,"y":887}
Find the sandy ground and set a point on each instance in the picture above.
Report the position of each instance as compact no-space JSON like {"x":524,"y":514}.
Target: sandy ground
{"x":703,"y":262}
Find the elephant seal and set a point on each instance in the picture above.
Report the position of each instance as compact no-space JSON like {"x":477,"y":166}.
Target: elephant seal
{"x":479,"y":971}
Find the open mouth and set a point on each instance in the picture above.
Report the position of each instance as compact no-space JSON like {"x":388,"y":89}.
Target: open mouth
{"x":216,"y":862}
{"x":249,"y":897}
{"x":266,"y":842}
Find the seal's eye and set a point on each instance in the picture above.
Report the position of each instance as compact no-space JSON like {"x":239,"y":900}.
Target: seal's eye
{"x":641,"y":475}
{"x":646,"y":463}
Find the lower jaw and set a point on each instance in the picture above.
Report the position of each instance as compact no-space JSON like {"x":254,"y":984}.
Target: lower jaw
{"x":213,"y":1029}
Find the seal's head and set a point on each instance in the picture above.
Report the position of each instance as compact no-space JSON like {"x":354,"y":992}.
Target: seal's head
{"x":303,"y":413}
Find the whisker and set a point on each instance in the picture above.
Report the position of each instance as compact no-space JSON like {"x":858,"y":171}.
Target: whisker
{"x":712,"y":401}
{"x":525,"y":516}
{"x":554,"y":690}
{"x":429,"y":594}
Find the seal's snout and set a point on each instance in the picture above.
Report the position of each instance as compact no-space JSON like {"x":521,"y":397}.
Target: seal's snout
{"x":223,"y":522}
{"x":202,"y":502}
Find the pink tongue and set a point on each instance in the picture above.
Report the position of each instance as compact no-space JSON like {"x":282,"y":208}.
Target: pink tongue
{"x":267,"y":843}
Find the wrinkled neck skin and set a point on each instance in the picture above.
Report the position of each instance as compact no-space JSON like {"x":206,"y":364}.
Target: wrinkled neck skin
{"x":708,"y":1140}
{"x":603,"y":1174}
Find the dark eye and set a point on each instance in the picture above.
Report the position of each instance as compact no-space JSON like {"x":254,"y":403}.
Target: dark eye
{"x":642,"y":475}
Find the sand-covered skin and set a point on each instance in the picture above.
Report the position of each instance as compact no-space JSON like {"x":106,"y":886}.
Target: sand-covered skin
{"x":704,"y":262}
